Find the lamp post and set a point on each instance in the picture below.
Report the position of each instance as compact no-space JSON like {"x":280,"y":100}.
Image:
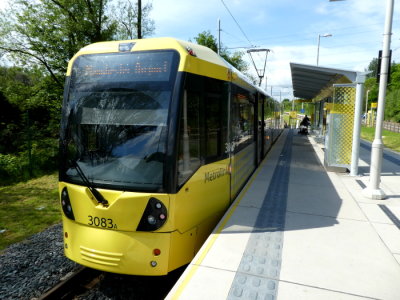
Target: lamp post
{"x":373,"y":191}
{"x":319,"y":41}
{"x":366,"y":108}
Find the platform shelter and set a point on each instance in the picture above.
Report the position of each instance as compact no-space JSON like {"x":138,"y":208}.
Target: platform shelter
{"x":336,"y":96}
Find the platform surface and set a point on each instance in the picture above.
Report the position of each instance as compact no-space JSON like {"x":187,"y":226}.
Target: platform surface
{"x":299,"y":232}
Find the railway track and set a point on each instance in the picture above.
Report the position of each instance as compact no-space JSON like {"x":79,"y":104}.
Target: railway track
{"x":75,"y":284}
{"x":94,"y":284}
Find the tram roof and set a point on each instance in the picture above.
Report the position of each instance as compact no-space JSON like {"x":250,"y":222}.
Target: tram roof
{"x":309,"y":80}
{"x":184,"y":47}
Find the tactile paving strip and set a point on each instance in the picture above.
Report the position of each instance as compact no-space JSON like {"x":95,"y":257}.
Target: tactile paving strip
{"x":258,"y":272}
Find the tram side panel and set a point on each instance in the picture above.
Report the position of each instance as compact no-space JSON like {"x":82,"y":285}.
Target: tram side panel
{"x":242,"y":138}
{"x":202,"y":162}
{"x":269,"y":124}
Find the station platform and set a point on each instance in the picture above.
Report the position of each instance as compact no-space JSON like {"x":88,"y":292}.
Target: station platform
{"x":299,"y":232}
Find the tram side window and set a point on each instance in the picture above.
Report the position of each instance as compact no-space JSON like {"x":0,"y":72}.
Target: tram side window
{"x":213,"y":127}
{"x":189,"y":137}
{"x":204,"y":128}
{"x":269,"y":113}
{"x":216,"y":119}
{"x":242,"y":120}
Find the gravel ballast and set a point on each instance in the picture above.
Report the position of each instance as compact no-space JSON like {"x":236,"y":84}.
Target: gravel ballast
{"x":30,"y":268}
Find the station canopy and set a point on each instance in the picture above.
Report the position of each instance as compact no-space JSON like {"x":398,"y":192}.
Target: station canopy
{"x":309,"y":80}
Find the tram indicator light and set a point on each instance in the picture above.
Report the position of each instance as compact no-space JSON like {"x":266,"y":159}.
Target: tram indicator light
{"x":125,"y":47}
{"x":191,"y":51}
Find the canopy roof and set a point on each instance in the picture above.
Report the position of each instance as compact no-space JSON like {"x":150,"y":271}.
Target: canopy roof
{"x":309,"y":80}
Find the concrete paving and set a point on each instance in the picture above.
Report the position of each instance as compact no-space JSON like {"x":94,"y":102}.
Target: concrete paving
{"x":330,"y":242}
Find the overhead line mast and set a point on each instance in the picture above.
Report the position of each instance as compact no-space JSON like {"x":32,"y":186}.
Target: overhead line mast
{"x":139,"y":20}
{"x":260,"y":72}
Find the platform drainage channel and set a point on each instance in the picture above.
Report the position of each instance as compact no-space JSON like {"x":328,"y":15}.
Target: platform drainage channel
{"x":258,"y":272}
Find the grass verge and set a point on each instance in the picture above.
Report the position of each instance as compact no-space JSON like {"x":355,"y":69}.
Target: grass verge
{"x":27,"y":208}
{"x":390,"y":139}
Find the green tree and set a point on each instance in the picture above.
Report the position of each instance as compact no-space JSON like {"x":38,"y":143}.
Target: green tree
{"x":10,"y":118}
{"x":392,"y":101}
{"x":394,"y":83}
{"x":127,"y":20}
{"x":50,"y":32}
{"x":392,"y":106}
{"x":373,"y":68}
{"x":373,"y":88}
{"x":286,"y":104}
{"x":29,"y":126}
{"x":205,"y":38}
{"x":40,"y":37}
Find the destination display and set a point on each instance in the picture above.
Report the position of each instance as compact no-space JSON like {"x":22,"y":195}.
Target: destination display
{"x":124,"y":67}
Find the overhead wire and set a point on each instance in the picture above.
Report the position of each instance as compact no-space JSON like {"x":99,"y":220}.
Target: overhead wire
{"x":316,"y":32}
{"x":236,"y":38}
{"x":340,"y":32}
{"x":237,"y":23}
{"x":245,"y":35}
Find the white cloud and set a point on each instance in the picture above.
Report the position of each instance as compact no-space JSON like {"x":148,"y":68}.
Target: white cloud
{"x":3,"y":4}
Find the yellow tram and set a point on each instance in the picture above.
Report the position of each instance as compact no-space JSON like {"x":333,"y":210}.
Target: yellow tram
{"x":158,"y":136}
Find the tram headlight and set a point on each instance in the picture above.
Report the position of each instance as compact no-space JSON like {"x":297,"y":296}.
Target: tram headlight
{"x":66,"y":204}
{"x":154,"y":216}
{"x":151,"y":220}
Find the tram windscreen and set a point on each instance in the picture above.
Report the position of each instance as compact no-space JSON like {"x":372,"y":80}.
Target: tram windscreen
{"x":114,"y":123}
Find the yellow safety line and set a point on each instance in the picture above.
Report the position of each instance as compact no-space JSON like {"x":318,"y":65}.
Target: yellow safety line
{"x":210,"y":243}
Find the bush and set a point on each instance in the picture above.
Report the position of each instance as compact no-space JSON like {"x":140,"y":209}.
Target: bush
{"x":392,"y":110}
{"x":45,"y":157}
{"x":16,"y":167}
{"x":11,"y":168}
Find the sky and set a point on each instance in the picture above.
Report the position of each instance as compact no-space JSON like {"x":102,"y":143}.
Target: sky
{"x":289,"y":28}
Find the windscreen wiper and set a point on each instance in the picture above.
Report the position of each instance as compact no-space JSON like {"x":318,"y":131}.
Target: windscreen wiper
{"x":96,"y":194}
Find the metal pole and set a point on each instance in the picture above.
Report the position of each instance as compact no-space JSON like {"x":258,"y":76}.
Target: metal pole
{"x":219,"y":36}
{"x":373,"y":191}
{"x":291,"y":125}
{"x":366,"y":107}
{"x":319,"y":40}
{"x":139,"y":23}
{"x":355,"y":152}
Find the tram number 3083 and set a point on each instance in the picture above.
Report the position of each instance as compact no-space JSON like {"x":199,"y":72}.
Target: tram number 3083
{"x":101,"y":222}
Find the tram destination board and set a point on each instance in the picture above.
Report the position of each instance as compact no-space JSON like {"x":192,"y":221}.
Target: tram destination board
{"x":124,"y":67}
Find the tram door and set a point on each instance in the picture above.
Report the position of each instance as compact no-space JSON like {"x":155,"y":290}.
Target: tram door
{"x":243,"y":150}
{"x":259,"y":127}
